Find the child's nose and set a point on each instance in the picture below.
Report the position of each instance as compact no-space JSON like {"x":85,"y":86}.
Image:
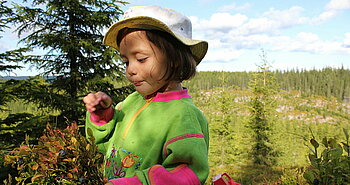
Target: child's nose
{"x":131,"y":69}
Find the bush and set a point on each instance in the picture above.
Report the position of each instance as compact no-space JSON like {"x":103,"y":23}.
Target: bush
{"x":60,"y":157}
{"x":332,"y":166}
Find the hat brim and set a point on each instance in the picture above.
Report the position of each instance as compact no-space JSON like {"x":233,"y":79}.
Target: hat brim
{"x":198,"y":48}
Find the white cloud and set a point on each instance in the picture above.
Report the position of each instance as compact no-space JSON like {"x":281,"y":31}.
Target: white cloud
{"x":239,"y":24}
{"x":346,"y":43}
{"x":338,"y":5}
{"x":219,"y":52}
{"x":222,"y":22}
{"x":323,"y":17}
{"x":204,"y":1}
{"x":333,"y":8}
{"x":286,"y":18}
{"x":258,"y":25}
{"x":272,"y":21}
{"x":235,"y":7}
{"x":309,"y":43}
{"x":231,"y":35}
{"x":248,"y":41}
{"x":223,"y":55}
{"x":308,"y":37}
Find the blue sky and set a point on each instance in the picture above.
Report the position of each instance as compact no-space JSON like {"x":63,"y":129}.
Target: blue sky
{"x":303,"y":34}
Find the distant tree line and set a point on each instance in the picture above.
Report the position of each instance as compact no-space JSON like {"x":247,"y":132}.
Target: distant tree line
{"x":326,"y":82}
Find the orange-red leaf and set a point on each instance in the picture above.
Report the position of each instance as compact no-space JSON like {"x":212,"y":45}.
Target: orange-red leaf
{"x":35,"y":166}
{"x":37,"y":176}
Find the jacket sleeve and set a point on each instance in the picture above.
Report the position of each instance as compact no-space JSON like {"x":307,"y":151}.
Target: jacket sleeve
{"x":189,"y":149}
{"x":102,"y":125}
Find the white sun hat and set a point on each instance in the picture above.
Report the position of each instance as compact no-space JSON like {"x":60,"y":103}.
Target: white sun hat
{"x":158,"y":18}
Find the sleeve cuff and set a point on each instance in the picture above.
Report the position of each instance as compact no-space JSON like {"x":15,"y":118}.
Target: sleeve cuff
{"x":102,"y":117}
{"x":182,"y":174}
{"x":127,"y":181}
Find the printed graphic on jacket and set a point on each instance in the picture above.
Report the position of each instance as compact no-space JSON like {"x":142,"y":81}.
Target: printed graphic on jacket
{"x":119,"y":161}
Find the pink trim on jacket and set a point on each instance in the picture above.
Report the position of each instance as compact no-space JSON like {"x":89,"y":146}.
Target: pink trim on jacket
{"x":126,"y":181}
{"x":181,"y":175}
{"x":102,"y":117}
{"x":165,"y":152}
{"x":168,"y":96}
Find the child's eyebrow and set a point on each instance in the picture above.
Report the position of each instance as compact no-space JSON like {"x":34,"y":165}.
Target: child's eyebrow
{"x":135,"y":53}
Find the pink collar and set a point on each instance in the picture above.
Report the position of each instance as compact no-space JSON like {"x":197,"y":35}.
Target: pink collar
{"x":169,"y":96}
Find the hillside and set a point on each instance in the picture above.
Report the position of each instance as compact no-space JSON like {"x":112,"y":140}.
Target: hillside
{"x":295,"y":119}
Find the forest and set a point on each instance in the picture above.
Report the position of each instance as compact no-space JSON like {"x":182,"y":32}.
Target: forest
{"x":266,"y":127}
{"x":328,"y":82}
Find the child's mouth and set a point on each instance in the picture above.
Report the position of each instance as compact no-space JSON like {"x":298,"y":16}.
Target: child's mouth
{"x":137,"y":83}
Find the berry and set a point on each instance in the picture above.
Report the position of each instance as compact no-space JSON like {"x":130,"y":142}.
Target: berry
{"x":82,"y":180}
{"x":63,"y":152}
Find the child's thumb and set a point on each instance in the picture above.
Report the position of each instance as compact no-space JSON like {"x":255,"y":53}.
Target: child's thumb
{"x":105,"y":101}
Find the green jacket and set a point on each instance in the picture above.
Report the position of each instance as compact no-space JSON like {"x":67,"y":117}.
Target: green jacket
{"x":144,"y":136}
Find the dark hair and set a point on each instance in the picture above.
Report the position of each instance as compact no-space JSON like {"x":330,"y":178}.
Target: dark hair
{"x":181,"y":64}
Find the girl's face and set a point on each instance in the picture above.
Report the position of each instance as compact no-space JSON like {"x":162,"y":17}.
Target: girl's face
{"x":145,"y":63}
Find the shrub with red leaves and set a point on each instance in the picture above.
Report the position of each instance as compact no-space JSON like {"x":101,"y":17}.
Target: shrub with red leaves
{"x":60,"y":157}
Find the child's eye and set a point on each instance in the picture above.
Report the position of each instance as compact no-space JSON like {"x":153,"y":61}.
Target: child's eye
{"x":142,"y":59}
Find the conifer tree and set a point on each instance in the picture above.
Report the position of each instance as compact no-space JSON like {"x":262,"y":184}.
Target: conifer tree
{"x":263,"y":87}
{"x":69,"y":33}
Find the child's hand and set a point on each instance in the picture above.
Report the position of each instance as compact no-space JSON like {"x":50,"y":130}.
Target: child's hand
{"x":109,"y":183}
{"x":97,"y":101}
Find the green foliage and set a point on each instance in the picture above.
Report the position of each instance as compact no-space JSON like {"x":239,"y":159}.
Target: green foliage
{"x":290,"y":131}
{"x":48,"y":105}
{"x":206,"y":80}
{"x":13,"y":55}
{"x":262,"y":106}
{"x":50,"y":102}
{"x":224,"y":102}
{"x":60,"y":157}
{"x":4,"y":12}
{"x":328,"y":82}
{"x":69,"y":32}
{"x":332,"y":166}
{"x":224,"y":131}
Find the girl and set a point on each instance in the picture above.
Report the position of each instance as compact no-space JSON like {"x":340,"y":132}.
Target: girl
{"x":156,"y":135}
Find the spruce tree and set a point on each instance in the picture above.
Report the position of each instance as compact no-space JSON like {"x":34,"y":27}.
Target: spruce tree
{"x":69,"y":33}
{"x":263,"y":87}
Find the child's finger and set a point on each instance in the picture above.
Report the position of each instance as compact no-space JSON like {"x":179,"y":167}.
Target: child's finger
{"x":106,"y":101}
{"x":90,"y":102}
{"x":96,"y":101}
{"x":89,"y":98}
{"x":103,"y":99}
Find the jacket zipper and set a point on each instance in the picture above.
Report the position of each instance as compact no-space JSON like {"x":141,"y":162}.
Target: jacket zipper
{"x":134,"y":117}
